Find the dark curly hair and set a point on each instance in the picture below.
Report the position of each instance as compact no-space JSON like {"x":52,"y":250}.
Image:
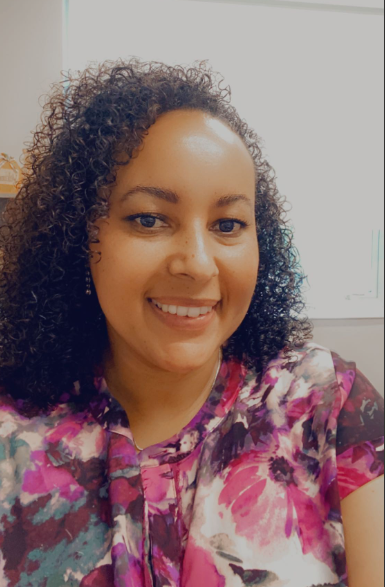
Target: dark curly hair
{"x":51,"y":334}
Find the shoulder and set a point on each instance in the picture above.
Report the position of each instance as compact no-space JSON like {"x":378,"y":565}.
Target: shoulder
{"x":28,"y":429}
{"x":11,"y":418}
{"x":320,"y":363}
{"x":15,"y":448}
{"x":32,"y":443}
{"x":304,"y":383}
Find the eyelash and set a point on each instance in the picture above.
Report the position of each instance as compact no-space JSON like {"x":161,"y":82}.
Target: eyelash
{"x":243,"y":224}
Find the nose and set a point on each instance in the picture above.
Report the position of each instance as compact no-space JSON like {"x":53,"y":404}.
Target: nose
{"x":194,"y":254}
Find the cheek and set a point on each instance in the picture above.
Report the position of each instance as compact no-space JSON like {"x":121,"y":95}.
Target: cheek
{"x":122,"y":274}
{"x":246,"y":282}
{"x":241,"y":277}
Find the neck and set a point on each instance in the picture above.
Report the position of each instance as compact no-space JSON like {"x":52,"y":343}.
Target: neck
{"x":158,"y":403}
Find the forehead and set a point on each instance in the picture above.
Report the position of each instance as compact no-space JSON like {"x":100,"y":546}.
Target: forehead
{"x":191,"y":147}
{"x":193,"y":125}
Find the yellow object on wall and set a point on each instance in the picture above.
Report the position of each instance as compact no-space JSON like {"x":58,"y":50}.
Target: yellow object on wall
{"x":10,"y":175}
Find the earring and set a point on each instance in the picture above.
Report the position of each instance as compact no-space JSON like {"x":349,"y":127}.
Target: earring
{"x":88,"y":282}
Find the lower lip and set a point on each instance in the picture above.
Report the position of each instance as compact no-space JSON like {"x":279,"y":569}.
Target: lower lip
{"x":184,"y":322}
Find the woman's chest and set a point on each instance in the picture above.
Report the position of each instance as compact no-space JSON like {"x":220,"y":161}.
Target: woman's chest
{"x":263,"y":513}
{"x":171,"y":526}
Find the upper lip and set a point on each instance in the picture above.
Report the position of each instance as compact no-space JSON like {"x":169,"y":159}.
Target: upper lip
{"x":186,"y":302}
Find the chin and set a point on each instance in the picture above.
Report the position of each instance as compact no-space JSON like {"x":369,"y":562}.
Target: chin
{"x":182,"y":361}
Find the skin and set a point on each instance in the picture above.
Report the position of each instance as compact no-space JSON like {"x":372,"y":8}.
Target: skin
{"x":160,"y":375}
{"x":363,"y":519}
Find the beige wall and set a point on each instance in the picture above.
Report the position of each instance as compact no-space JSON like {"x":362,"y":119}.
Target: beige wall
{"x":31,"y":59}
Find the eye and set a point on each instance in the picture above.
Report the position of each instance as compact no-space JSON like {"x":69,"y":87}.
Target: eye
{"x":227,"y":225}
{"x":148,"y":221}
{"x":145,"y":220}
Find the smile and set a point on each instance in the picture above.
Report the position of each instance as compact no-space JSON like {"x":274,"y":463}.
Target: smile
{"x":183,"y":311}
{"x":182,"y":318}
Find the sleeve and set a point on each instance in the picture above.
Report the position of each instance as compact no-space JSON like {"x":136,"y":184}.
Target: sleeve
{"x":360,"y":429}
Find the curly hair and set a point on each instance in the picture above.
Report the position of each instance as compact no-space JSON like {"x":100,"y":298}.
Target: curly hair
{"x":52,"y":336}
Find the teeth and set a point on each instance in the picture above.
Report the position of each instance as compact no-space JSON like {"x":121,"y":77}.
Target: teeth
{"x":194,"y":312}
{"x":182,"y":311}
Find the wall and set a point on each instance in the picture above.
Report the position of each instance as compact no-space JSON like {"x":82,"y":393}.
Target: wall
{"x":31,"y":59}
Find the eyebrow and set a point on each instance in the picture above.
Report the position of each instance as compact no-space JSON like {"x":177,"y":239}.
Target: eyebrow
{"x":173,"y":198}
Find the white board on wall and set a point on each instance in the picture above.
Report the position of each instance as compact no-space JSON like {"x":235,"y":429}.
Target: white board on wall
{"x":311,"y":84}
{"x":356,"y":3}
{"x":369,"y":7}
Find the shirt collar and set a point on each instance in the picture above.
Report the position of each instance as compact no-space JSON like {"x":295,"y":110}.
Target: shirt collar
{"x":112,"y":417}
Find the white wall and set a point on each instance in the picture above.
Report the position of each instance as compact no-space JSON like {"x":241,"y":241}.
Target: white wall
{"x":311,"y":83}
{"x":31,"y":59}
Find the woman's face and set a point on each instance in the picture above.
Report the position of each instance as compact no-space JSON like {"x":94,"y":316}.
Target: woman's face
{"x":188,"y":252}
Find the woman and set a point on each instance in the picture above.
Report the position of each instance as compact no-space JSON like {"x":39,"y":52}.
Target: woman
{"x":164,"y":419}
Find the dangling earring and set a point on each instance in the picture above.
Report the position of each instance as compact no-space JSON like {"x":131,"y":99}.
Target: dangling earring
{"x":88,"y":282}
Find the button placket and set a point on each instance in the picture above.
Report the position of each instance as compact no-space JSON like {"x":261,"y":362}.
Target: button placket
{"x":126,"y":503}
{"x":162,"y":524}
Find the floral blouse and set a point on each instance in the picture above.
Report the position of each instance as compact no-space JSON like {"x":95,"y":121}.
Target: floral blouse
{"x":249,"y":493}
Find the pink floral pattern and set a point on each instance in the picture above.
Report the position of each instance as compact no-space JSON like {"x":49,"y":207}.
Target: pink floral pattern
{"x":249,"y":493}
